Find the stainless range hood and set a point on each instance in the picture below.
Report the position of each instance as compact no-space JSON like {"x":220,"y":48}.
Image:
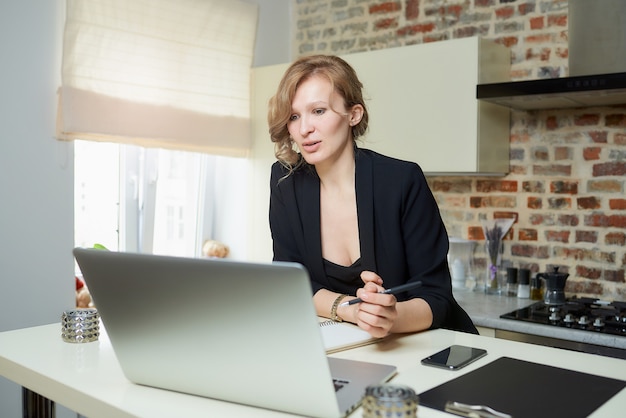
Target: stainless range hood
{"x":597,"y":64}
{"x":565,"y":92}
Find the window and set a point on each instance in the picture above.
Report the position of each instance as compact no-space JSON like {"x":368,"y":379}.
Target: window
{"x":130,"y":198}
{"x":96,"y":194}
{"x":159,"y":81}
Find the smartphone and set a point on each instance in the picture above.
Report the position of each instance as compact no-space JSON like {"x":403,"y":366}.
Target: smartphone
{"x":454,"y":357}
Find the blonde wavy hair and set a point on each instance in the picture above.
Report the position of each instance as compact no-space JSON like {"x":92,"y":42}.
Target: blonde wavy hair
{"x":343,"y":80}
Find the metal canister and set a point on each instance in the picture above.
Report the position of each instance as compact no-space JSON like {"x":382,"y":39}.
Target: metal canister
{"x":390,"y":401}
{"x":80,"y":325}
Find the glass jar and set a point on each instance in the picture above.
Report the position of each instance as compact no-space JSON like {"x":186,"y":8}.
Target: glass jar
{"x":511,"y":282}
{"x":536,"y":289}
{"x":523,"y":288}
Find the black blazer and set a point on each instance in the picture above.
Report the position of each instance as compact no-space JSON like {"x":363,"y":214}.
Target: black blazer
{"x":401,"y":234}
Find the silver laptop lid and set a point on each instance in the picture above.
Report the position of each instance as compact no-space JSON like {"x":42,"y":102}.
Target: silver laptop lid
{"x":241,"y":332}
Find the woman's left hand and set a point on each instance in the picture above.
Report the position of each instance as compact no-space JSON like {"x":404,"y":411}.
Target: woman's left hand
{"x":377,"y":313}
{"x":371,"y":277}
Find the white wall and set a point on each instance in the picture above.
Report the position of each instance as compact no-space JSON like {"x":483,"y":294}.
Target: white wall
{"x":36,"y":171}
{"x":264,"y":83}
{"x":245,"y":214}
{"x":274,"y":39}
{"x":36,"y":177}
{"x":36,"y":185}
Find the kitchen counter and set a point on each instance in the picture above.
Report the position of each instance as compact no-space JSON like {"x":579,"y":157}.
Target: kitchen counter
{"x":485,"y":311}
{"x":87,"y":378}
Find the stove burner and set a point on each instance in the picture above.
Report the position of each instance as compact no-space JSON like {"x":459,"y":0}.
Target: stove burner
{"x":577,"y":313}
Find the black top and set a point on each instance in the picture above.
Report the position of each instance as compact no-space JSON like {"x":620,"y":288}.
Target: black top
{"x":402,"y":237}
{"x":346,"y":277}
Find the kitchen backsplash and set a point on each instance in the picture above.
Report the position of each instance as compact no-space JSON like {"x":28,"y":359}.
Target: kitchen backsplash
{"x":566,"y":186}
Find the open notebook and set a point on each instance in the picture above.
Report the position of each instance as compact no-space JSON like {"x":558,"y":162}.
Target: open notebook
{"x":339,"y":336}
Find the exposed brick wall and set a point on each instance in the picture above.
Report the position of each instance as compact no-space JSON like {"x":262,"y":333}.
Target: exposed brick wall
{"x":566,"y":186}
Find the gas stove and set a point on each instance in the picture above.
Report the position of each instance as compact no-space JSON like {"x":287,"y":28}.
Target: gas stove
{"x":585,"y":314}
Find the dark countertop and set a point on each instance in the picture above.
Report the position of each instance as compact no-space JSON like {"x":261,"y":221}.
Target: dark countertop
{"x":485,"y":311}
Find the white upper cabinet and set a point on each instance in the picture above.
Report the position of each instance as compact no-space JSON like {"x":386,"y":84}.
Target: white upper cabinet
{"x":423,"y":106}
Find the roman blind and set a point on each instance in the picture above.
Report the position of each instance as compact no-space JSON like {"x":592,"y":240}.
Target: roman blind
{"x":171,"y":74}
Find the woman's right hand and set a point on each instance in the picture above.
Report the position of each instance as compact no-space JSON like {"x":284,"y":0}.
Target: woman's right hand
{"x":349,"y":313}
{"x":377,"y":313}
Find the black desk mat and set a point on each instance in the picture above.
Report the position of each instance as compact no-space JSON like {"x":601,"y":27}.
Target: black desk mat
{"x":524,"y":389}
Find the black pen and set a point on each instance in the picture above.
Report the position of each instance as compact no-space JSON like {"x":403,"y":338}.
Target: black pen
{"x":392,"y":291}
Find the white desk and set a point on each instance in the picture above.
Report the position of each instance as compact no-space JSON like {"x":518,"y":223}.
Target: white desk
{"x":87,"y":377}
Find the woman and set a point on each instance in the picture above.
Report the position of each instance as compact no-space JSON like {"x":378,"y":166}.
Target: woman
{"x":360,"y":222}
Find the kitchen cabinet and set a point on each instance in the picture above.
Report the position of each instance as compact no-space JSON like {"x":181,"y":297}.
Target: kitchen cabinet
{"x":423,"y":106}
{"x":486,"y":332}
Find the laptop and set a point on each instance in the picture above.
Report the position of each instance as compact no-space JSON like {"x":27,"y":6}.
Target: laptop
{"x":235,"y":331}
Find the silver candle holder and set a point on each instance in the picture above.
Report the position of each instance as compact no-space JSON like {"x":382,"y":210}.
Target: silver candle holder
{"x":394,"y":401}
{"x":81,"y":325}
